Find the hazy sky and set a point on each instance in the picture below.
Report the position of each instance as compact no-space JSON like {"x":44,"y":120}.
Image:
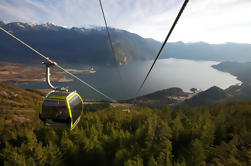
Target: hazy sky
{"x":213,"y":21}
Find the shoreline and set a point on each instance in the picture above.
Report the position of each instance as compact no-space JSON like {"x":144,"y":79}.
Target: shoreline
{"x":18,"y":73}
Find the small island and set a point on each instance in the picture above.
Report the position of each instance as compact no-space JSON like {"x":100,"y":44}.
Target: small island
{"x":82,"y":71}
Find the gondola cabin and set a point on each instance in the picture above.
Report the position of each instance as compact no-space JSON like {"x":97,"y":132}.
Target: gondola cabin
{"x":60,"y":107}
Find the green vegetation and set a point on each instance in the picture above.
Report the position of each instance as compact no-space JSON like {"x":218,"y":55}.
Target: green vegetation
{"x":215,"y":135}
{"x":212,"y":95}
{"x":165,"y":93}
{"x":219,"y":134}
{"x":242,"y":72}
{"x":160,"y":98}
{"x":96,"y":107}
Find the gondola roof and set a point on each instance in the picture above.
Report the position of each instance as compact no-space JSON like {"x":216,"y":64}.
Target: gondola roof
{"x":60,"y":95}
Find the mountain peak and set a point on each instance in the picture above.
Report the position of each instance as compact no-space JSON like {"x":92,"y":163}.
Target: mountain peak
{"x":49,"y":24}
{"x":76,"y":44}
{"x":80,"y":30}
{"x":2,"y":23}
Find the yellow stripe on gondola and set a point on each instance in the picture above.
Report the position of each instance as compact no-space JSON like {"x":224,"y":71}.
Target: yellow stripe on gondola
{"x":75,"y":124}
{"x":68,"y":105}
{"x":69,"y":109}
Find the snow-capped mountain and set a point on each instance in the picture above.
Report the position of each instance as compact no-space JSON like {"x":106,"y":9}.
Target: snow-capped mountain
{"x":90,"y":44}
{"x":87,"y":44}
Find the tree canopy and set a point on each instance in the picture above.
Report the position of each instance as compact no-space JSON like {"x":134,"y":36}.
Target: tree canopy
{"x":208,"y":135}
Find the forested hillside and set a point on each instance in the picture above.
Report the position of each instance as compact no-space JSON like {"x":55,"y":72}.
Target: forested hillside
{"x":240,"y":70}
{"x":218,"y":134}
{"x":209,"y":96}
{"x":160,"y":99}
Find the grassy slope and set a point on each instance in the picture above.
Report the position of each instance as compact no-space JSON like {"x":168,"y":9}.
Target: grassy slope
{"x":18,"y":106}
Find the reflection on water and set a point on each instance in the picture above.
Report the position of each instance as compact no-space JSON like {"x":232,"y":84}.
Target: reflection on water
{"x":167,"y":73}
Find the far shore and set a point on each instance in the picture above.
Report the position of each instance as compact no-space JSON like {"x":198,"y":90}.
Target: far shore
{"x":19,"y":73}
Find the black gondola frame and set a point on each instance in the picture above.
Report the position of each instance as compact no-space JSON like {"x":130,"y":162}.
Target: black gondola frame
{"x":66,"y":99}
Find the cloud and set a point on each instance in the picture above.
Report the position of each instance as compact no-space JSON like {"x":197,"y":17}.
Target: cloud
{"x":216,"y":21}
{"x":9,"y":12}
{"x":212,"y":21}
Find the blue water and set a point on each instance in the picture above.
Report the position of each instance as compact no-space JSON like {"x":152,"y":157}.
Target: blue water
{"x":167,"y":73}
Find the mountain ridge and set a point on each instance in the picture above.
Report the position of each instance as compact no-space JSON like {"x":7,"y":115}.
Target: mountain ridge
{"x":74,"y":45}
{"x":90,"y":45}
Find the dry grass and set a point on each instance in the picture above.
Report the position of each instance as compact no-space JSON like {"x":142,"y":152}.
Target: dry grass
{"x":18,"y":106}
{"x":10,"y":72}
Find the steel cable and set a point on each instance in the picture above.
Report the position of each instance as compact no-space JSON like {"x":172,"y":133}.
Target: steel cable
{"x":112,"y":48}
{"x":48,"y":59}
{"x":164,"y":43}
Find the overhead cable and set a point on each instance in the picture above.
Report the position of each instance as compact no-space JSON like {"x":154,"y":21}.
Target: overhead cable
{"x":112,"y":48}
{"x":49,"y":60}
{"x":108,"y":33}
{"x":164,"y":43}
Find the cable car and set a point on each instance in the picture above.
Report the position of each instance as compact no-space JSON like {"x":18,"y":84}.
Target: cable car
{"x":60,"y":107}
